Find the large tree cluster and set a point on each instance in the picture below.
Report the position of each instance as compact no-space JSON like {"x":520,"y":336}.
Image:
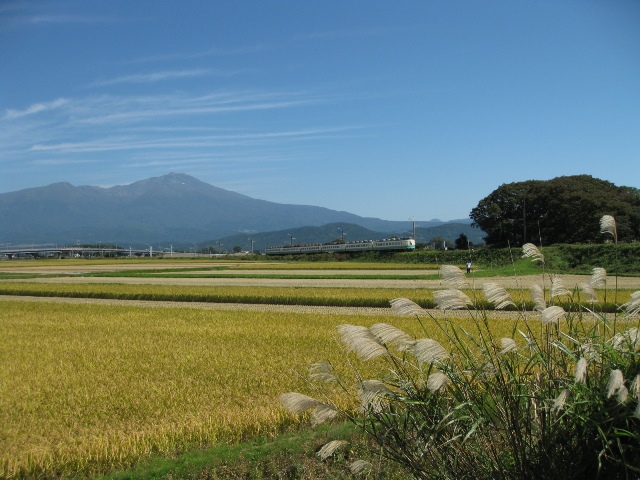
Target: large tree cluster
{"x":562,"y":210}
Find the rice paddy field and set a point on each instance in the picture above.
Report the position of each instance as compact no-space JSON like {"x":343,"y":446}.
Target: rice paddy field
{"x":86,"y":388}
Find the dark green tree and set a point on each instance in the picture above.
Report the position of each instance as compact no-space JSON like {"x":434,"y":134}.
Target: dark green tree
{"x":462,"y":242}
{"x":562,"y":210}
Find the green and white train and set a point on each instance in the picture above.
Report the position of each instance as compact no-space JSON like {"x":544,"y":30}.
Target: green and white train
{"x":335,"y":247}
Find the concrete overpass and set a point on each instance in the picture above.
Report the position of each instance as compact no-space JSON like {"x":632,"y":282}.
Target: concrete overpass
{"x":75,"y":252}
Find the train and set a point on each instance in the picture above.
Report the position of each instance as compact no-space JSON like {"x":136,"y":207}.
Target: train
{"x":387,"y":244}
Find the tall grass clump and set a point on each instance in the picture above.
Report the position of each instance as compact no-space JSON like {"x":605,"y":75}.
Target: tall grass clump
{"x":557,"y":398}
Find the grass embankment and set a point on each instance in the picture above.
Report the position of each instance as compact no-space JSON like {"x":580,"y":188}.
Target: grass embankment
{"x":86,"y":389}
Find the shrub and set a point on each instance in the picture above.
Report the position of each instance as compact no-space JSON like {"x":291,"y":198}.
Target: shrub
{"x":559,"y":398}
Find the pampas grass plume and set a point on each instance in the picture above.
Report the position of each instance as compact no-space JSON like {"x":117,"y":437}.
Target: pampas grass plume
{"x":561,"y":400}
{"x":632,"y":307}
{"x":429,"y":351}
{"x":508,"y":345}
{"x":453,"y":277}
{"x":436,"y":381}
{"x":322,"y":372}
{"x":497,"y":295}
{"x":608,"y":225}
{"x":329,"y":449}
{"x":297,"y":402}
{"x":362,"y":341}
{"x":616,"y":381}
{"x":529,"y":250}
{"x":552,"y":314}
{"x":360,"y":466}
{"x":598,"y":278}
{"x":451,"y":299}
{"x":557,"y":287}
{"x":537,"y":294}
{"x":581,"y":370}
{"x":404,"y":306}
{"x":390,"y":335}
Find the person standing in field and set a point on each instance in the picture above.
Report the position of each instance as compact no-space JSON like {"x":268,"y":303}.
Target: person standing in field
{"x":469,"y":266}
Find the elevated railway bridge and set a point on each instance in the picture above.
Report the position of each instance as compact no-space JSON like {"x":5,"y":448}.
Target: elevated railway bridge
{"x":74,"y":252}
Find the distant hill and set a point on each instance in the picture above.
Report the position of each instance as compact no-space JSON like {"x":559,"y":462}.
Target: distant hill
{"x":174,"y":209}
{"x":333,"y":231}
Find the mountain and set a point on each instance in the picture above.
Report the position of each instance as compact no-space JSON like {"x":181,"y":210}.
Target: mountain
{"x":175,"y":208}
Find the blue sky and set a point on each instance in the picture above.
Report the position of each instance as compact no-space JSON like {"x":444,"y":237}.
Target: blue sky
{"x":388,"y":109}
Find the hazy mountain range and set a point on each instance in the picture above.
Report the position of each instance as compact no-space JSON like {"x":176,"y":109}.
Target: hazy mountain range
{"x":180,"y":210}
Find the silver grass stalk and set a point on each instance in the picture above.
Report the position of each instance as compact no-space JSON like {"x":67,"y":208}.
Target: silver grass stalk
{"x":322,"y":372}
{"x":429,"y":351}
{"x":297,"y":402}
{"x":371,"y":393}
{"x":598,"y":278}
{"x":557,"y":287}
{"x":608,"y":225}
{"x":616,"y":380}
{"x":589,"y":292}
{"x":360,"y":466}
{"x":537,"y":294}
{"x":404,"y":306}
{"x":508,"y":345}
{"x":362,"y":341}
{"x":529,"y":250}
{"x":622,"y":394}
{"x":497,"y":295}
{"x":390,"y":335}
{"x":453,"y":277}
{"x":632,"y":307}
{"x":590,"y":352}
{"x":330,"y":448}
{"x":322,"y":413}
{"x":451,"y":299}
{"x":626,"y":341}
{"x":581,"y":370}
{"x":561,"y":400}
{"x":552,"y":314}
{"x":436,"y":381}
{"x":635,"y":387}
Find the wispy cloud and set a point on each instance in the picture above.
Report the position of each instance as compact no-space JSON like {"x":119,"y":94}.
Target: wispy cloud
{"x":339,"y":34}
{"x":164,"y":75}
{"x":60,"y":18}
{"x":24,"y":14}
{"x":219,"y":130}
{"x":185,"y":142}
{"x":34,"y":108}
{"x":213,"y":51}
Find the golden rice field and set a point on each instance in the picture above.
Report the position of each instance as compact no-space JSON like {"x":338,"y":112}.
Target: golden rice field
{"x":88,"y":388}
{"x":378,"y":297}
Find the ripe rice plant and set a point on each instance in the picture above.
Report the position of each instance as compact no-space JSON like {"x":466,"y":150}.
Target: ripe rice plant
{"x":347,"y":297}
{"x":557,"y":397}
{"x":359,"y":297}
{"x":85,"y":389}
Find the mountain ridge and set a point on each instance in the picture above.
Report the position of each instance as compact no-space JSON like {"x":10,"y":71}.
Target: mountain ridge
{"x":175,"y":208}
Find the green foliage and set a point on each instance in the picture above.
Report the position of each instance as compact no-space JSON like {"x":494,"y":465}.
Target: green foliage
{"x":557,"y":398}
{"x":462,"y":242}
{"x":561,"y":210}
{"x":286,"y":456}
